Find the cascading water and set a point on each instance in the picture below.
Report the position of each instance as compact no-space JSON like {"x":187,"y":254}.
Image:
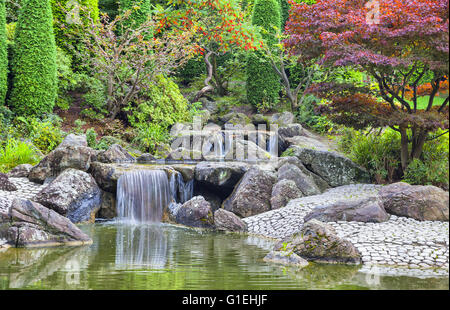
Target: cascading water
{"x":142,"y":195}
{"x":272,"y":146}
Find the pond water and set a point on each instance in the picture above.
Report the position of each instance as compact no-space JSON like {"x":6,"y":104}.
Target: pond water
{"x":167,"y":257}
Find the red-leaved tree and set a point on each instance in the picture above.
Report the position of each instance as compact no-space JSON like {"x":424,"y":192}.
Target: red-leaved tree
{"x":399,"y":44}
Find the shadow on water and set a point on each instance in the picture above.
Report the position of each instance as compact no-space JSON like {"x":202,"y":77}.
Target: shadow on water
{"x":161,"y":256}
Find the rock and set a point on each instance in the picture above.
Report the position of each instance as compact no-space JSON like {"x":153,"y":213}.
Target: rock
{"x":367,"y":210}
{"x":303,"y":181}
{"x":306,"y":142}
{"x":318,"y":242}
{"x":289,"y":131}
{"x":321,"y":184}
{"x":74,"y":140}
{"x":248,"y":150}
{"x":235,"y":118}
{"x":179,"y":129}
{"x":204,"y":115}
{"x":182,"y":153}
{"x":115,"y":154}
{"x":145,"y":158}
{"x":108,"y":208}
{"x":20,"y":171}
{"x":258,"y":119}
{"x":30,"y":224}
{"x":285,"y":258}
{"x":73,"y":194}
{"x":60,"y":159}
{"x":422,"y":203}
{"x":219,"y":175}
{"x":105,"y":176}
{"x":187,"y":171}
{"x":212,"y":128}
{"x":6,"y":184}
{"x":283,"y":192}
{"x":334,"y":168}
{"x":283,"y":119}
{"x":211,"y":106}
{"x":195,"y":213}
{"x":228,"y":221}
{"x":252,"y":195}
{"x":214,"y":200}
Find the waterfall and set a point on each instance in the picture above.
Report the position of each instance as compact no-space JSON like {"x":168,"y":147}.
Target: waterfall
{"x":142,"y":195}
{"x":272,"y":147}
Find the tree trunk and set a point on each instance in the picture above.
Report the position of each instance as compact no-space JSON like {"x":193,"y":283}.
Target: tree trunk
{"x":419,"y":141}
{"x":404,"y":149}
{"x":207,"y":88}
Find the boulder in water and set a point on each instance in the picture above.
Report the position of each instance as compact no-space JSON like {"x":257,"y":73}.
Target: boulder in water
{"x":228,"y":221}
{"x":115,"y":154}
{"x":196,"y":212}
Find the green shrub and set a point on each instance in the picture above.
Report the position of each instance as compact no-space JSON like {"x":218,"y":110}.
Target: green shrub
{"x":307,"y":116}
{"x":263,"y":84}
{"x":15,"y":152}
{"x":94,"y":95}
{"x":65,"y":17}
{"x":33,"y":68}
{"x":193,"y":69}
{"x":91,"y":138}
{"x":67,"y":79}
{"x":3,"y":54}
{"x":109,"y":7}
{"x":162,"y":106}
{"x":45,"y":134}
{"x":140,"y":11}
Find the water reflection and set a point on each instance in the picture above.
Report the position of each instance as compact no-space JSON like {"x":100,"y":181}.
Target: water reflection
{"x":161,"y":256}
{"x":141,"y":246}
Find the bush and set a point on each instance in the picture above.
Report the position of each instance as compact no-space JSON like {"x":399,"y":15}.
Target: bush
{"x":34,"y":76}
{"x":3,"y":54}
{"x":379,"y":153}
{"x":194,"y":68}
{"x":45,"y":134}
{"x":109,"y":7}
{"x":67,"y":79}
{"x":263,"y":84}
{"x":61,"y":11}
{"x":15,"y":152}
{"x":160,"y":107}
{"x":307,"y":115}
{"x":140,"y":11}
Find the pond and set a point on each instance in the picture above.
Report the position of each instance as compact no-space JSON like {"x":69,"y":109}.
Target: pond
{"x":168,"y":257}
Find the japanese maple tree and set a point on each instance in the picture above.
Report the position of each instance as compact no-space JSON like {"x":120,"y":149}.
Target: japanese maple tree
{"x":400,"y":45}
{"x":220,"y":26}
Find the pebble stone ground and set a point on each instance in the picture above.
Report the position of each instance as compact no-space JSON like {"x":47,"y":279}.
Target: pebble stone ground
{"x":421,"y":247}
{"x":25,"y":190}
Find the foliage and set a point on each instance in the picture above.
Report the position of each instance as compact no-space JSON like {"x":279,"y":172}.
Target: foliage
{"x":379,"y":153}
{"x":262,"y":82}
{"x":45,"y":134}
{"x":3,"y":54}
{"x":14,"y":152}
{"x":124,"y":63}
{"x":397,"y":47}
{"x":109,"y":7}
{"x":91,"y":137}
{"x":34,"y":76}
{"x":162,"y":106}
{"x":193,"y":68}
{"x":140,"y":11}
{"x":308,"y":114}
{"x":67,"y":79}
{"x":67,"y":16}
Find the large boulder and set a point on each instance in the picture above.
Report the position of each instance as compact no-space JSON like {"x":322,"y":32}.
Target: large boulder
{"x":60,"y":159}
{"x":182,"y":153}
{"x":321,"y":183}
{"x":108,"y":207}
{"x":74,"y":140}
{"x":115,"y":154}
{"x":252,"y":195}
{"x":6,"y":184}
{"x":423,"y":203}
{"x":283,"y":119}
{"x":283,"y":192}
{"x":235,"y":118}
{"x":306,"y":142}
{"x":73,"y":194}
{"x":20,"y":171}
{"x":195,"y":213}
{"x":368,"y":210}
{"x":319,"y":242}
{"x":228,"y":221}
{"x":147,"y":157}
{"x":106,"y":176}
{"x":220,"y":175}
{"x":29,"y":224}
{"x":303,"y":181}
{"x":334,"y":168}
{"x":290,"y":131}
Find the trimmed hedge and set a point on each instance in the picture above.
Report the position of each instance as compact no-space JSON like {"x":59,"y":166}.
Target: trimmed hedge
{"x":3,"y":54}
{"x":263,"y":84}
{"x":284,"y":6}
{"x":33,"y":68}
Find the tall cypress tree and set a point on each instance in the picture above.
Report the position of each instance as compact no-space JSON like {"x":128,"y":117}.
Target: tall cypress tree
{"x":263,"y":84}
{"x":34,"y":81}
{"x":3,"y":53}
